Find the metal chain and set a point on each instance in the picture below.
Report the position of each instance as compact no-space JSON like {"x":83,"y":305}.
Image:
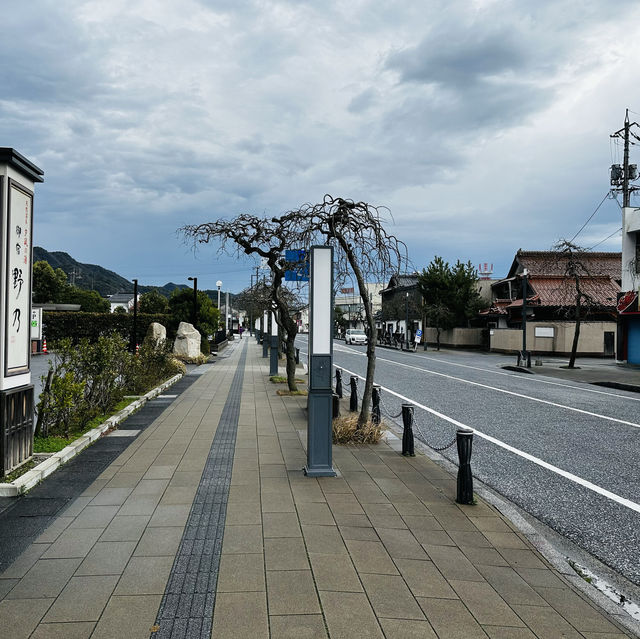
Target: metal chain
{"x":387,"y":411}
{"x":438,"y":449}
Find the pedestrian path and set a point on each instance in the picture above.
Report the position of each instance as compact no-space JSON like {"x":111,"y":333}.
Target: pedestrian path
{"x":205,"y":526}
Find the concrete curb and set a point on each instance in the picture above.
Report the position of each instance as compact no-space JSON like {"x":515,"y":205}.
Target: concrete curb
{"x":44,"y":469}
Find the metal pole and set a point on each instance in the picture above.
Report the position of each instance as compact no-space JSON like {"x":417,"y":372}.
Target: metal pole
{"x":353,"y":399}
{"x":375,"y":400}
{"x":406,"y":321}
{"x":407,"y":431}
{"x":339,"y":383}
{"x":464,"y":441}
{"x":266,"y":332}
{"x":273,"y":362}
{"x":134,"y":337}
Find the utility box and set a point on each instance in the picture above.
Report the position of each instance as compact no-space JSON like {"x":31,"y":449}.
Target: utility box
{"x":18,"y":177}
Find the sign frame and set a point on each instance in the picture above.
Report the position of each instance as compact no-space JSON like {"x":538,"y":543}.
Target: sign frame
{"x":14,"y":362}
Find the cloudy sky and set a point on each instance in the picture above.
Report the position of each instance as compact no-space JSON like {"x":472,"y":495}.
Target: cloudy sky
{"x":482,"y":124}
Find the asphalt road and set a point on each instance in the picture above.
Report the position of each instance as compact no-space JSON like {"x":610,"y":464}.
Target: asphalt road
{"x":565,"y":452}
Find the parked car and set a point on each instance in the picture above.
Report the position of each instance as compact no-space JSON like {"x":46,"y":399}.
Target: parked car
{"x":355,"y":336}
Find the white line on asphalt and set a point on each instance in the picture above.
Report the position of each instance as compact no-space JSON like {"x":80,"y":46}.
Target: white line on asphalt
{"x":507,"y":392}
{"x":353,"y":351}
{"x":563,"y":473}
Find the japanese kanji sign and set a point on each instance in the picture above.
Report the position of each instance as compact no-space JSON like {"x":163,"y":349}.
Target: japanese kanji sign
{"x":18,"y":279}
{"x":298,"y":262}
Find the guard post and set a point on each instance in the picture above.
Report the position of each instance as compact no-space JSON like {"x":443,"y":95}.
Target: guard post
{"x":273,"y":361}
{"x":319,"y":425}
{"x":18,"y":176}
{"x":265,"y":334}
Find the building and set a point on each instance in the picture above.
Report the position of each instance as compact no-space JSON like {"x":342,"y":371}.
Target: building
{"x":121,"y":300}
{"x":629,"y":322}
{"x":551,"y":304}
{"x":349,"y":302}
{"x":401,"y":305}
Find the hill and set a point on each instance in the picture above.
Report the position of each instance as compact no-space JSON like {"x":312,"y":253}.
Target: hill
{"x":98,"y":278}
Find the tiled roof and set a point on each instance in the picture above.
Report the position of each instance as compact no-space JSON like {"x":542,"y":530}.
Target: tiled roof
{"x":550,"y":263}
{"x":120,"y":298}
{"x":558,"y":291}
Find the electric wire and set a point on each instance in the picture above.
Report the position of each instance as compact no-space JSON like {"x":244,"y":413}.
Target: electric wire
{"x":606,"y":195}
{"x":605,"y":239}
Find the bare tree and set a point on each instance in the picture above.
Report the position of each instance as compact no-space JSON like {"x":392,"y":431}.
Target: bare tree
{"x":269,"y":239}
{"x":364,"y":248}
{"x":576,"y":286}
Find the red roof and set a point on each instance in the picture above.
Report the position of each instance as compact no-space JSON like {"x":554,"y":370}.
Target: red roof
{"x":558,"y":291}
{"x":553,"y":263}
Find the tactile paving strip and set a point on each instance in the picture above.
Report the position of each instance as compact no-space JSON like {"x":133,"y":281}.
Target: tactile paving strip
{"x":186,"y":610}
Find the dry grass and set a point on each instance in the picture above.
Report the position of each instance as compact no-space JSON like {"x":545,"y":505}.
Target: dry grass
{"x":288,"y":392}
{"x":280,"y":379}
{"x":346,"y":431}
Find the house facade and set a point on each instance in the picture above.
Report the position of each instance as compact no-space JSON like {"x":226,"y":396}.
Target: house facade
{"x":551,"y":304}
{"x":122,"y":300}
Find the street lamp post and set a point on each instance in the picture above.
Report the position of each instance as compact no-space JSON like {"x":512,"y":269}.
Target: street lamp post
{"x":195,"y":300}
{"x":219,"y":285}
{"x":134,"y":336}
{"x":525,"y":356}
{"x":406,"y":320}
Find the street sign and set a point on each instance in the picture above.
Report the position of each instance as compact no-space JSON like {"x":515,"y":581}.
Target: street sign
{"x":298,"y":262}
{"x":418,"y":336}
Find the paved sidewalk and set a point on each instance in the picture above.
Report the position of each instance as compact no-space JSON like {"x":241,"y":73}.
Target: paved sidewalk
{"x":206,"y":526}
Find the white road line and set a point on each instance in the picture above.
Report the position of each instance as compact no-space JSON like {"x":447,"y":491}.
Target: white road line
{"x":563,"y":473}
{"x":508,"y":392}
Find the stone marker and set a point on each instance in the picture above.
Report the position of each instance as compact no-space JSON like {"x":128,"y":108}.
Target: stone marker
{"x":187,"y":344}
{"x":157,"y":334}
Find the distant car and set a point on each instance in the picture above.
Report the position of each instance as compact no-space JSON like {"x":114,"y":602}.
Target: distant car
{"x":355,"y":336}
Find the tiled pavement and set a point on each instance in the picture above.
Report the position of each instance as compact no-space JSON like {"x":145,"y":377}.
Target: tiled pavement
{"x":380,"y":551}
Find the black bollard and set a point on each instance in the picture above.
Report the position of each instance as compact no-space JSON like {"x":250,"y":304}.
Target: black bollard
{"x":464,"y":440}
{"x":375,"y":400}
{"x":297,"y":355}
{"x":353,"y":400}
{"x":339,"y":383}
{"x":407,"y":432}
{"x":336,"y":406}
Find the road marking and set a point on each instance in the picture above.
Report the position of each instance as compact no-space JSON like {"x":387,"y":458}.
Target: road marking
{"x":536,"y":460}
{"x":346,"y":349}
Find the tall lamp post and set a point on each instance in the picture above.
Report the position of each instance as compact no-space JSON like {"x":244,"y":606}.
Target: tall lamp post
{"x":525,"y":356}
{"x":134,"y":336}
{"x":219,"y":285}
{"x":195,"y":300}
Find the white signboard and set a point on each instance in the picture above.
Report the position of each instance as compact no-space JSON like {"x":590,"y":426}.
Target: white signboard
{"x":36,"y":323}
{"x":418,"y":336}
{"x":18,"y":280}
{"x":544,"y":331}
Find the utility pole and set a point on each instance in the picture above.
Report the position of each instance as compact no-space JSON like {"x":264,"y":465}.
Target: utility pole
{"x":622,"y":175}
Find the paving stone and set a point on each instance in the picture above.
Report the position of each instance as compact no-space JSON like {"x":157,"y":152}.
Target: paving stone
{"x":125,"y":528}
{"x":518,"y":558}
{"x":324,"y":540}
{"x":170,"y":515}
{"x":159,"y":541}
{"x":313,"y":513}
{"x":20,"y":566}
{"x":240,"y":615}
{"x":450,"y":619}
{"x":75,"y":630}
{"x":243,"y":513}
{"x":390,"y":597}
{"x":505,"y":540}
{"x":145,"y":576}
{"x":83,"y":599}
{"x":54,"y":530}
{"x":291,"y":592}
{"x":240,"y":573}
{"x":370,"y":557}
{"x":545,"y":622}
{"x":107,"y":558}
{"x":285,"y":554}
{"x":541,"y":577}
{"x":484,"y":556}
{"x":344,"y":504}
{"x":281,"y":525}
{"x":19,"y":617}
{"x":407,"y":629}
{"x":354,"y":521}
{"x":359,"y":533}
{"x":401,"y":544}
{"x":511,"y":586}
{"x":242,"y":539}
{"x":335,"y":572}
{"x":452,"y":563}
{"x":485,"y":604}
{"x":127,"y":617}
{"x":297,"y":626}
{"x":111,"y":496}
{"x":6,"y":585}
{"x":73,"y":542}
{"x":178,"y":495}
{"x":47,"y":578}
{"x":424,"y":579}
{"x":277,"y":503}
{"x":349,"y":615}
{"x":502,"y":632}
{"x":576,"y":611}
{"x":490,"y":524}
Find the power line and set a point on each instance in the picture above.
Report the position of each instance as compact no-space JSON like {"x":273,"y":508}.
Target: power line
{"x":606,"y":195}
{"x":605,"y":239}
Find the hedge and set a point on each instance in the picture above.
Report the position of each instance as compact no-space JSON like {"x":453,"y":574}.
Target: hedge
{"x":77,"y":325}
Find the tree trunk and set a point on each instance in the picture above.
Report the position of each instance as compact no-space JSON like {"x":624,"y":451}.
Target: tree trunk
{"x":576,"y":334}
